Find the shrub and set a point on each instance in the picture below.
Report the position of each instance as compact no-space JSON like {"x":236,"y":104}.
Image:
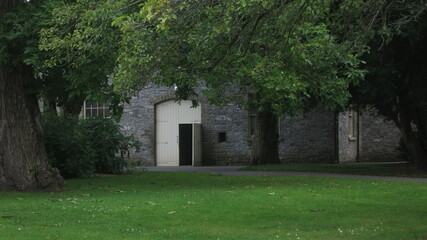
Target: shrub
{"x":67,"y":148}
{"x":108,"y":144}
{"x":80,"y":148}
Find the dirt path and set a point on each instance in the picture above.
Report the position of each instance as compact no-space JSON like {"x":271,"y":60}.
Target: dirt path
{"x":235,"y":171}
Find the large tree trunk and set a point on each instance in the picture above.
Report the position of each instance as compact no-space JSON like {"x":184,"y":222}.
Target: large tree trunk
{"x":412,"y":142}
{"x":23,"y":160}
{"x":265,"y":148}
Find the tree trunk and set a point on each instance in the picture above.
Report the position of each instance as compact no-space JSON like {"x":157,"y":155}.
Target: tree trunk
{"x":72,"y":107}
{"x":23,"y":160}
{"x":412,"y":142}
{"x":265,"y":148}
{"x":49,"y":106}
{"x":422,"y":123}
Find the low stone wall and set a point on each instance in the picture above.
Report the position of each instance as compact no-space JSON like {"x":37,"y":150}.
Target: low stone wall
{"x":379,"y":139}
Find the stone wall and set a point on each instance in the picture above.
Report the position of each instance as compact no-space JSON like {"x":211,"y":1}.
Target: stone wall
{"x":379,"y":139}
{"x":308,"y":138}
{"x":138,"y":119}
{"x":375,"y":139}
{"x":232,"y":121}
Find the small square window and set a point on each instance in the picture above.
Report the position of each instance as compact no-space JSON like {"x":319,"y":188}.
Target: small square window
{"x":222,"y":137}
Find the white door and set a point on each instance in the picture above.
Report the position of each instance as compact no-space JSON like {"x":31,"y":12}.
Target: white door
{"x":169,"y":115}
{"x":197,"y":145}
{"x":167,"y":148}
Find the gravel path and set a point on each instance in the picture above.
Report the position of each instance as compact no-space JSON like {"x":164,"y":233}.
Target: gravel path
{"x":235,"y":171}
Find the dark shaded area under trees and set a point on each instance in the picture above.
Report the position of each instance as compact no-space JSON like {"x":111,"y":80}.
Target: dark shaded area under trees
{"x":396,"y":84}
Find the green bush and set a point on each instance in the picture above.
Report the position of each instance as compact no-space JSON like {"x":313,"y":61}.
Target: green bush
{"x":108,"y":144}
{"x":80,"y":148}
{"x":67,"y":148}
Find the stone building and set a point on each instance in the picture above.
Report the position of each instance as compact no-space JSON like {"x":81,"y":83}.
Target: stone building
{"x":174,"y":133}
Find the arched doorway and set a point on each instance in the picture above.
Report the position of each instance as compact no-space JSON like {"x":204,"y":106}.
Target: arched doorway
{"x":178,"y":134}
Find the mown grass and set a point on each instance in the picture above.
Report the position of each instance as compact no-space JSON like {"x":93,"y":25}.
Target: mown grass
{"x":374,"y":169}
{"x":208,"y":206}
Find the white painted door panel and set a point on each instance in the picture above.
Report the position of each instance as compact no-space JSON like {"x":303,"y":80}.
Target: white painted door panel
{"x":167,"y":148}
{"x":197,"y":145}
{"x":188,"y":114}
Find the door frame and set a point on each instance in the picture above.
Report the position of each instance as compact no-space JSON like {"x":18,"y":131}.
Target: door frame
{"x":196,"y":120}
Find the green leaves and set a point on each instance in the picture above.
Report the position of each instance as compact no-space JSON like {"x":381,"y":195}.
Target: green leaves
{"x":294,"y":55}
{"x":82,"y":148}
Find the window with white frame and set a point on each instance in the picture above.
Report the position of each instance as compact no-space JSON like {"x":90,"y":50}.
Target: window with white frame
{"x":95,"y":109}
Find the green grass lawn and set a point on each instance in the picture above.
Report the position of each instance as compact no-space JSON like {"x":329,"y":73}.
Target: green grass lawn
{"x":374,"y":169}
{"x":208,"y":206}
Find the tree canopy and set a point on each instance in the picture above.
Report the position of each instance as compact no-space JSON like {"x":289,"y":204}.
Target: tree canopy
{"x":272,"y":56}
{"x":288,"y":55}
{"x":62,"y":84}
{"x":283,"y":54}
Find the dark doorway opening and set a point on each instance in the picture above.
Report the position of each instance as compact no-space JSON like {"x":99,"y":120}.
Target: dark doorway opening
{"x":185,"y":144}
